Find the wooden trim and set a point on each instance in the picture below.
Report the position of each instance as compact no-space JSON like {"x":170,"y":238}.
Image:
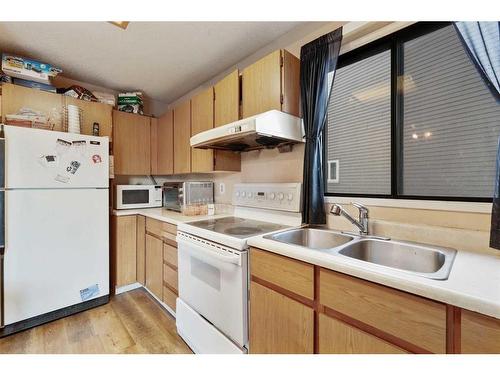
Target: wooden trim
{"x":170,"y":265}
{"x":375,"y":332}
{"x":316,"y":309}
{"x":458,"y":330}
{"x":170,"y":287}
{"x":296,"y":297}
{"x":154,"y":235}
{"x":453,"y":317}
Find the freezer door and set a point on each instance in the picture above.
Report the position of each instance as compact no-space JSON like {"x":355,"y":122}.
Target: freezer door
{"x":57,"y":250}
{"x":46,"y":159}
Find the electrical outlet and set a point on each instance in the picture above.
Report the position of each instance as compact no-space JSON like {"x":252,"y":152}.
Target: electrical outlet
{"x":222,"y":188}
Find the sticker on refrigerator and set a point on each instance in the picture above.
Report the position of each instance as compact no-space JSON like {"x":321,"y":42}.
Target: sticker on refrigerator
{"x":48,"y":160}
{"x":90,"y":292}
{"x":96,"y":159}
{"x":80,"y":147}
{"x":73,"y":166}
{"x":62,"y":146}
{"x":63,"y":179}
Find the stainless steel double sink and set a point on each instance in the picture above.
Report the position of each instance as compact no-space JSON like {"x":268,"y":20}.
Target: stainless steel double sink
{"x":418,"y":259}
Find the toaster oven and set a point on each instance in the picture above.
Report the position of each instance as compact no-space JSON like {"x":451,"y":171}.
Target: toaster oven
{"x":180,"y":194}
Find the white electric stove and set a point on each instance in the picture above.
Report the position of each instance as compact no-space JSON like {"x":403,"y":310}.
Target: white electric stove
{"x":212,"y":308}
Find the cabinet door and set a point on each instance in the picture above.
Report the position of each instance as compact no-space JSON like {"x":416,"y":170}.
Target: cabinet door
{"x":94,"y":112}
{"x":336,"y":337}
{"x":125,"y":242}
{"x":131,"y":144}
{"x":182,"y":134}
{"x":261,"y":85}
{"x":480,"y":334}
{"x":16,"y":97}
{"x":154,"y":265}
{"x":141,"y":249}
{"x":227,"y":99}
{"x":165,"y":144}
{"x":279,"y":324}
{"x":290,"y":84}
{"x":202,"y":118}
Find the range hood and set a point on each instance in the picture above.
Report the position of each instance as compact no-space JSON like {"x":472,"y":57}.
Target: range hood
{"x":266,"y":130}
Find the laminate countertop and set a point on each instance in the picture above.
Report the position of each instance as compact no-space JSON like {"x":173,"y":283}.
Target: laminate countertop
{"x":167,"y":216}
{"x":473,"y":284}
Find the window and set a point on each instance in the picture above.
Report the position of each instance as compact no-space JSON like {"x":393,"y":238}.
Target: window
{"x":411,"y":117}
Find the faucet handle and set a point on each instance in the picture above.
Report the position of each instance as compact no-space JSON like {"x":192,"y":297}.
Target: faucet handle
{"x":360,"y":207}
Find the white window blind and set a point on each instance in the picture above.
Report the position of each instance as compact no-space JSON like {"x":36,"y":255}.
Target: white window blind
{"x":451,"y":121}
{"x":359,"y":127}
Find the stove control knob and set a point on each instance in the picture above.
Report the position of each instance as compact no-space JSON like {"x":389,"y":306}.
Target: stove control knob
{"x":243,"y":194}
{"x":249,"y":194}
{"x":281,"y":196}
{"x":237,"y":194}
{"x":290,"y":196}
{"x":272,"y":196}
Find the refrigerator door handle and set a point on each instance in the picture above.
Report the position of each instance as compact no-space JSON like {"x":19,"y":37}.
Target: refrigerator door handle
{"x":2,"y":304}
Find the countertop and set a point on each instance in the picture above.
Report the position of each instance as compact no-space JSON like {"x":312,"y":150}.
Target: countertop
{"x":473,"y":284}
{"x":167,"y":216}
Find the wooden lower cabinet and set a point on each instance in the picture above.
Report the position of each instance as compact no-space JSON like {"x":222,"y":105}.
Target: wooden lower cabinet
{"x":479,"y":334}
{"x":279,"y":324}
{"x":154,"y":265}
{"x":124,"y":249}
{"x":336,"y":337}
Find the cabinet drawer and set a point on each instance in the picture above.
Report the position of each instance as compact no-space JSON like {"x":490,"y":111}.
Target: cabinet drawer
{"x":170,"y":277}
{"x":413,"y":319}
{"x":480,"y":334}
{"x":169,"y":238}
{"x":290,"y":274}
{"x":160,"y":228}
{"x":154,"y":226}
{"x":336,"y":337}
{"x":170,"y":254}
{"x":169,"y":297}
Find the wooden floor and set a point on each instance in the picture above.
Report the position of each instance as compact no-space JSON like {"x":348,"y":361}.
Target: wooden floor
{"x":131,"y":322}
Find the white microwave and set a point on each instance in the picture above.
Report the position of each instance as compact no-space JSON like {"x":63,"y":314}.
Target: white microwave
{"x":137,"y":196}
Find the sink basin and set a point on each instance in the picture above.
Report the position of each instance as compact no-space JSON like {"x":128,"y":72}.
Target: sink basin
{"x":428,"y":261}
{"x":311,"y":238}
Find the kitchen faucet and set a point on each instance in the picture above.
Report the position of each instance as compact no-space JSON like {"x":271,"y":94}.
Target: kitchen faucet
{"x":361,"y":223}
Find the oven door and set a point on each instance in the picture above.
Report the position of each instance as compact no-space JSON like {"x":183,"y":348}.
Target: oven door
{"x":213,"y":281}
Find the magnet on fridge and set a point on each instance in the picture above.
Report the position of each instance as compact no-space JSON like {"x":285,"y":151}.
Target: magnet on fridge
{"x":96,"y":159}
{"x":48,"y":160}
{"x":73,"y":166}
{"x":63,"y":179}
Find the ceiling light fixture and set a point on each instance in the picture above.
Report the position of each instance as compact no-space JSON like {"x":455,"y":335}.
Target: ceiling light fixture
{"x":121,"y":24}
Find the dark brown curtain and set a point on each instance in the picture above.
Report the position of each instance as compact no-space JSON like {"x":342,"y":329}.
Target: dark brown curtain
{"x":317,"y":60}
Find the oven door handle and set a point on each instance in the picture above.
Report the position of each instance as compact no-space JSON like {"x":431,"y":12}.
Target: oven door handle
{"x":233,"y":259}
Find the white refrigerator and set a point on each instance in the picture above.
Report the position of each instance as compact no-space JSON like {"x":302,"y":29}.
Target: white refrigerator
{"x":54,"y":226}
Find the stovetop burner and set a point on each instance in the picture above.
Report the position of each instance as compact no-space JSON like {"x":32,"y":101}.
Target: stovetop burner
{"x":237,"y":227}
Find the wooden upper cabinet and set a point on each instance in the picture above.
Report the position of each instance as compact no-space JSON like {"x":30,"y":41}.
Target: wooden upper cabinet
{"x":131,"y":144}
{"x":480,"y":334}
{"x":15,"y":97}
{"x":94,"y":112}
{"x":162,"y":144}
{"x":182,"y":134}
{"x":202,"y":118}
{"x":271,"y":83}
{"x":227,"y":99}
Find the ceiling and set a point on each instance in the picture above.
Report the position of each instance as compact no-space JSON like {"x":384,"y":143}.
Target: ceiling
{"x":163,"y":59}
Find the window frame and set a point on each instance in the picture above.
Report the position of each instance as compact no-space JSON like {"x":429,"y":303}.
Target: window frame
{"x":393,"y":42}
